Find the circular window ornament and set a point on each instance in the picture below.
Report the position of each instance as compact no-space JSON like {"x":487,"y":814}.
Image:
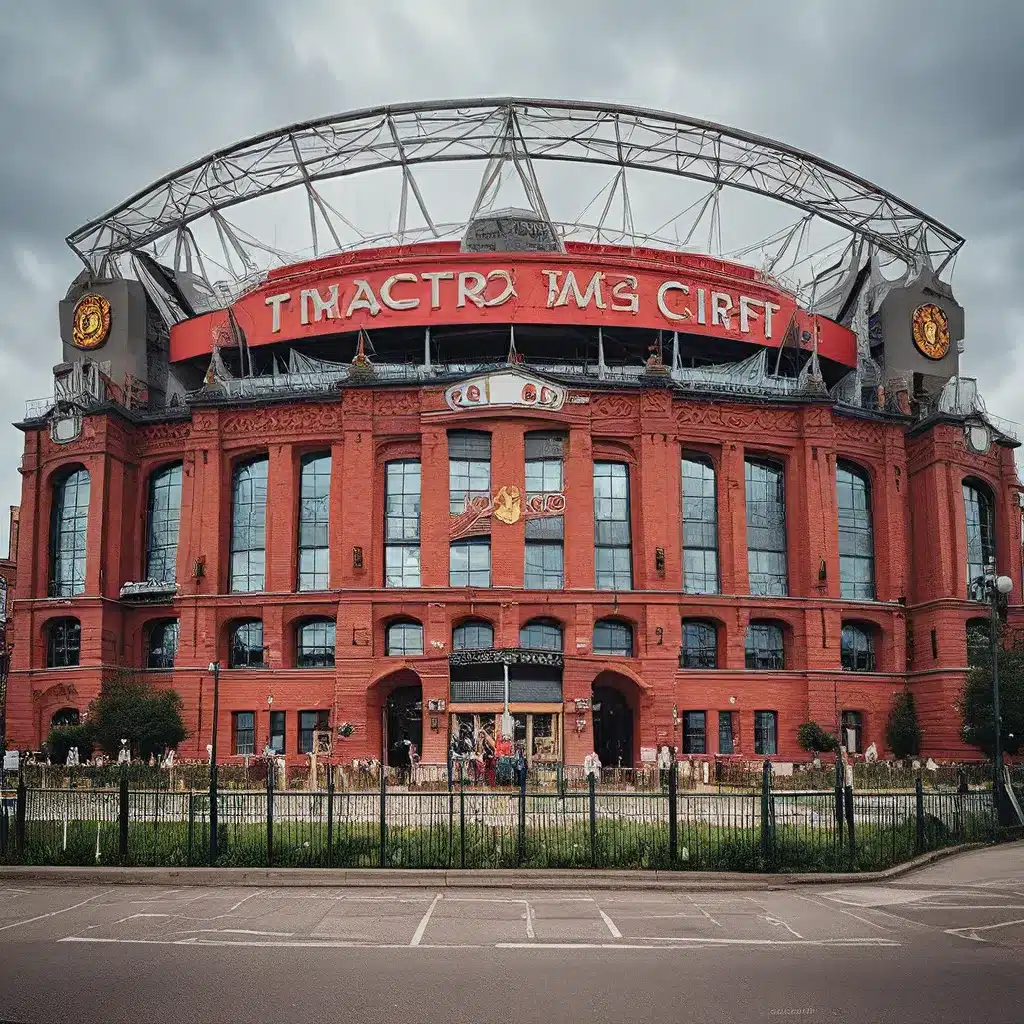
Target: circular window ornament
{"x":931,"y":331}
{"x":979,"y":438}
{"x":91,"y":322}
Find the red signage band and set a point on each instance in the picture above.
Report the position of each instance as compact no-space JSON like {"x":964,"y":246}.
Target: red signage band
{"x":473,"y":289}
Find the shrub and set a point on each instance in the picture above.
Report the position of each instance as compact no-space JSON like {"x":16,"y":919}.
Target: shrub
{"x":902,"y":731}
{"x":813,"y":738}
{"x":64,"y":737}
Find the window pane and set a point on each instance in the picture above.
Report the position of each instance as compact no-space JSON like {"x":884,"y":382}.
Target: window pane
{"x":163,"y":644}
{"x":314,"y":522}
{"x":473,"y":636}
{"x":164,"y":515}
{"x":404,"y":638}
{"x":700,"y":646}
{"x":700,"y":527}
{"x":246,"y":649}
{"x":64,"y":642}
{"x":764,"y":646}
{"x":694,"y":732}
{"x":470,"y":563}
{"x":315,"y":642}
{"x":765,"y":733}
{"x":541,"y":636}
{"x":68,"y":534}
{"x":402,"y":524}
{"x":613,"y":637}
{"x":277,"y":731}
{"x":857,"y":647}
{"x":980,"y":515}
{"x":543,"y":565}
{"x":725,"y":733}
{"x":766,"y":529}
{"x":856,"y":535}
{"x":244,"y":725}
{"x":248,"y":527}
{"x":612,"y":541}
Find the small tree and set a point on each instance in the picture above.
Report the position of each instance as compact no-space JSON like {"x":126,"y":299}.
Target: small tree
{"x":130,"y":708}
{"x":64,"y":737}
{"x":814,"y":739}
{"x":977,"y":708}
{"x":902,"y":731}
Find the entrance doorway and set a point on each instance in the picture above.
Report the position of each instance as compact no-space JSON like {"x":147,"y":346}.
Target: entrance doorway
{"x":404,"y":723}
{"x":613,"y":728}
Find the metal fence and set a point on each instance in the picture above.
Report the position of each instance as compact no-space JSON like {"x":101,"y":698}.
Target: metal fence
{"x":468,"y":827}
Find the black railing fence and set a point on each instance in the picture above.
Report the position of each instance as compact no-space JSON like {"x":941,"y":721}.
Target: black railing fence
{"x":590,"y":825}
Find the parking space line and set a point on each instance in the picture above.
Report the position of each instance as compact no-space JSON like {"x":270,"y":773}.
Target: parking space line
{"x":245,"y":899}
{"x":54,"y":913}
{"x":849,"y":913}
{"x":616,"y":934}
{"x":971,"y":931}
{"x":417,"y":937}
{"x":529,"y":921}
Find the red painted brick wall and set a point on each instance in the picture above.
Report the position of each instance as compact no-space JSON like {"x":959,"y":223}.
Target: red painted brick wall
{"x":919,"y":564}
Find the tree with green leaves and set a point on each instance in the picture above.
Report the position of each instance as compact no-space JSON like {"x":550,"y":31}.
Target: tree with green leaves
{"x":977,"y":705}
{"x":902,"y":729}
{"x":131,"y":708}
{"x":63,"y":737}
{"x":816,"y":740}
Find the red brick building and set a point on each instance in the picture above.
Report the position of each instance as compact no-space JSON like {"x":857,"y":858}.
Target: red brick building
{"x":395,"y":491}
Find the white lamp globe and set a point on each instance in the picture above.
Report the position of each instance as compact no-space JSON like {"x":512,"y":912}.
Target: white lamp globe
{"x":1004,"y":584}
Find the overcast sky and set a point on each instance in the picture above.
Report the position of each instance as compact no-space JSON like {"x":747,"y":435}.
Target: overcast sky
{"x":99,"y":98}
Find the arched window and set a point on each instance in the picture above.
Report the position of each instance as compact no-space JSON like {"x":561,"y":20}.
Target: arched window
{"x":63,"y":643}
{"x":979,"y":651}
{"x":162,"y":643}
{"x":162,"y":520}
{"x":66,"y":718}
{"x":766,"y":528}
{"x":856,"y":534}
{"x":979,"y":510}
{"x":249,"y":526}
{"x":700,"y":645}
{"x":315,"y":643}
{"x":613,"y":637}
{"x":857,"y":648}
{"x":764,"y":647}
{"x":246,"y":645}
{"x":404,"y":638}
{"x":700,"y":526}
{"x":474,"y":635}
{"x":314,"y":521}
{"x":68,"y":533}
{"x":541,"y":635}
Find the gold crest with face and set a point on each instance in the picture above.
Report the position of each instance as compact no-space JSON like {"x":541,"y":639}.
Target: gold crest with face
{"x":91,"y":322}
{"x":931,"y":331}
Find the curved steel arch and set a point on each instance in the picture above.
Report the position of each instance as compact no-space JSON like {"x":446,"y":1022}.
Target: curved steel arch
{"x":531,"y":129}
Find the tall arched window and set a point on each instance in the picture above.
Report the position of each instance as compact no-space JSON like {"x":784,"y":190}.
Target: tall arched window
{"x":700,"y":645}
{"x":764,"y":647}
{"x":314,"y":521}
{"x":315,"y":641}
{"x":66,"y":718}
{"x":700,"y":526}
{"x":474,"y":635}
{"x":249,"y":526}
{"x":541,"y":635}
{"x":404,"y":637}
{"x":979,"y":510}
{"x":68,"y":533}
{"x":856,"y":534}
{"x":245,"y":648}
{"x":611,"y":636}
{"x":162,"y":643}
{"x":162,"y":519}
{"x":63,"y":643}
{"x":766,"y":528}
{"x":857,"y":648}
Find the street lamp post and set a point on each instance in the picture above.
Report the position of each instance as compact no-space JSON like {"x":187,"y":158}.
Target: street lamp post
{"x":989,"y":587}
{"x":215,"y":669}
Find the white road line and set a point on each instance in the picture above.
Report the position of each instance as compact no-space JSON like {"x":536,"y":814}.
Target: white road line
{"x":708,"y":916}
{"x":693,"y":943}
{"x":424,"y":921}
{"x":616,"y":934}
{"x":702,"y":940}
{"x":530,"y":934}
{"x":778,"y":920}
{"x":849,"y":913}
{"x":238,"y":931}
{"x":971,"y":932}
{"x":54,"y":913}
{"x":270,"y":944}
{"x":245,"y":899}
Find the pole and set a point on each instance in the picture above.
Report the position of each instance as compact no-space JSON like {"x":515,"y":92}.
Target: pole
{"x":215,"y":666}
{"x":997,"y":791}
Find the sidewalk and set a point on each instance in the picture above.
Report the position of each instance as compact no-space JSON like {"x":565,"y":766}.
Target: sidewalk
{"x":665,"y":881}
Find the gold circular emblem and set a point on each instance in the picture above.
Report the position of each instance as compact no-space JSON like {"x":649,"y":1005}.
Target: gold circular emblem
{"x":91,"y":323}
{"x":931,"y":331}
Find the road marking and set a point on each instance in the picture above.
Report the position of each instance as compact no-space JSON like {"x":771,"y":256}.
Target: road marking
{"x":849,"y":913}
{"x":238,"y":931}
{"x":708,"y":916}
{"x":241,"y":901}
{"x":708,"y":941}
{"x":270,"y":944}
{"x":530,"y":934}
{"x":778,"y":920}
{"x":417,"y":937}
{"x":972,"y":932}
{"x":616,"y":934}
{"x":695,"y":943}
{"x":54,"y":913}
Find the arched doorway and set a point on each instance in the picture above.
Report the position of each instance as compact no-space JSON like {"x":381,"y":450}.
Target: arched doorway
{"x":404,"y":724}
{"x":613,"y":727}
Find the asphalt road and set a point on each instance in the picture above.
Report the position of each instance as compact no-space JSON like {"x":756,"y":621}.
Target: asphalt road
{"x":945,"y":944}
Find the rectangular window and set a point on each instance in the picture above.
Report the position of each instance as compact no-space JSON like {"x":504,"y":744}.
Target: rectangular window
{"x":853,"y":732}
{"x":695,"y":732}
{"x":700,"y":527}
{"x":726,"y":739}
{"x":314,"y":522}
{"x":249,"y":527}
{"x":469,"y":563}
{"x":243,"y":728}
{"x":766,"y":732}
{"x":162,"y":525}
{"x":544,"y":546}
{"x":277,"y":731}
{"x":310,"y":722}
{"x":469,"y":469}
{"x":402,"y":524}
{"x":613,"y":561}
{"x":766,"y":529}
